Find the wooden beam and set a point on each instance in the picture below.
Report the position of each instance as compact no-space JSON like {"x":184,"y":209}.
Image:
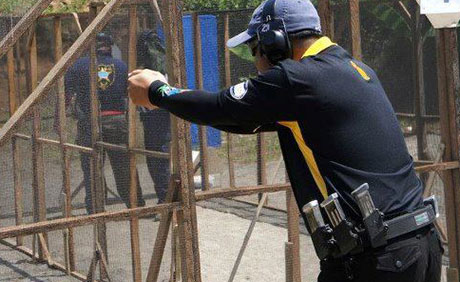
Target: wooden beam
{"x":132,"y":140}
{"x":288,"y":254}
{"x":261,"y":162}
{"x":240,"y":191}
{"x":65,"y":153}
{"x":228,"y":83}
{"x":419,"y":84}
{"x":327,"y":18}
{"x":23,"y":25}
{"x":438,"y":167}
{"x":76,"y":221}
{"x":174,"y":36}
{"x":293,"y":236}
{"x":12,"y":102}
{"x":59,"y":69}
{"x":18,"y":187}
{"x":355,"y":29}
{"x":202,"y":131}
{"x":38,"y":171}
{"x":446,"y":85}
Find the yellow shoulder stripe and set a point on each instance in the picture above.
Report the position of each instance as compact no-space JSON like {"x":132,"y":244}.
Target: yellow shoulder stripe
{"x":361,"y":71}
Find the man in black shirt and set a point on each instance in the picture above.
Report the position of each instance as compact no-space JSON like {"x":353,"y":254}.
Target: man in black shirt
{"x":336,"y":128}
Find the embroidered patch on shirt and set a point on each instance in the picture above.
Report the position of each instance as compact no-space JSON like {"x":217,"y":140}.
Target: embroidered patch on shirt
{"x":105,"y":76}
{"x":239,"y":91}
{"x":167,"y":90}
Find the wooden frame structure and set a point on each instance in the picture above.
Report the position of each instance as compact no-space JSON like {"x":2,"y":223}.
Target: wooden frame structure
{"x":181,"y":199}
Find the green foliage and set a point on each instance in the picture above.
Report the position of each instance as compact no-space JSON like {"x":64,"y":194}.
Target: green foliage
{"x":195,"y":5}
{"x":73,"y":6}
{"x":15,"y":7}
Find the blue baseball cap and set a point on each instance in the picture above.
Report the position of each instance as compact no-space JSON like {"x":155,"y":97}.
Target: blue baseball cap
{"x":297,"y":15}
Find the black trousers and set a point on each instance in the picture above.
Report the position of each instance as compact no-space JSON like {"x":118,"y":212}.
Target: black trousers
{"x":414,"y":258}
{"x":157,"y":137}
{"x":114,"y":131}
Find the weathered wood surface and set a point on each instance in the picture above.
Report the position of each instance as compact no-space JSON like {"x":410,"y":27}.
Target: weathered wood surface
{"x":132,"y":140}
{"x":76,"y":221}
{"x":58,"y":70}
{"x":23,"y":25}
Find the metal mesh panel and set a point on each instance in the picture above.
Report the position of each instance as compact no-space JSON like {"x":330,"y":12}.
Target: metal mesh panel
{"x":254,"y":160}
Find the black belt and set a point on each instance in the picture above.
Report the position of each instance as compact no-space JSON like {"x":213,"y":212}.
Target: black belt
{"x":342,"y":237}
{"x":410,"y":222}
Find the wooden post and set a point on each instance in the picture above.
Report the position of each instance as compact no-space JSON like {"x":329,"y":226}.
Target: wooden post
{"x":37,"y":148}
{"x":202,"y":131}
{"x":419,"y":87}
{"x":18,"y":187}
{"x":293,"y":234}
{"x":134,"y":222}
{"x":11,"y":82}
{"x":65,"y":153}
{"x":448,"y":87}
{"x":355,"y":29}
{"x":228,"y":83}
{"x":327,"y":18}
{"x":97,"y":187}
{"x":187,"y":216}
{"x":288,"y":250}
{"x":261,"y":162}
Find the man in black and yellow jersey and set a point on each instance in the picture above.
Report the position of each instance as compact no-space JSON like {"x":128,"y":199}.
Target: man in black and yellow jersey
{"x":337,"y":131}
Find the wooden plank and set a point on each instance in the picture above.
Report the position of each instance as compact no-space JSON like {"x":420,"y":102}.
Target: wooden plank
{"x":174,"y":16}
{"x":449,"y":194}
{"x":23,"y":25}
{"x":293,"y":235}
{"x":59,"y":69}
{"x":202,"y":131}
{"x":38,"y":183}
{"x":327,"y":18}
{"x":18,"y":187}
{"x":189,"y":162}
{"x":438,"y":167}
{"x":419,"y":84}
{"x":288,"y":254}
{"x":261,"y":162}
{"x":97,"y":184}
{"x":69,"y":245}
{"x":240,"y":191}
{"x":452,"y":274}
{"x":228,"y":83}
{"x":355,"y":29}
{"x":122,"y":148}
{"x":132,"y":140}
{"x":12,"y":102}
{"x":76,"y":221}
{"x":453,"y":90}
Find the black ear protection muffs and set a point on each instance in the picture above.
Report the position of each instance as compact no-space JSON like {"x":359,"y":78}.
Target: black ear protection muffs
{"x":272,"y":35}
